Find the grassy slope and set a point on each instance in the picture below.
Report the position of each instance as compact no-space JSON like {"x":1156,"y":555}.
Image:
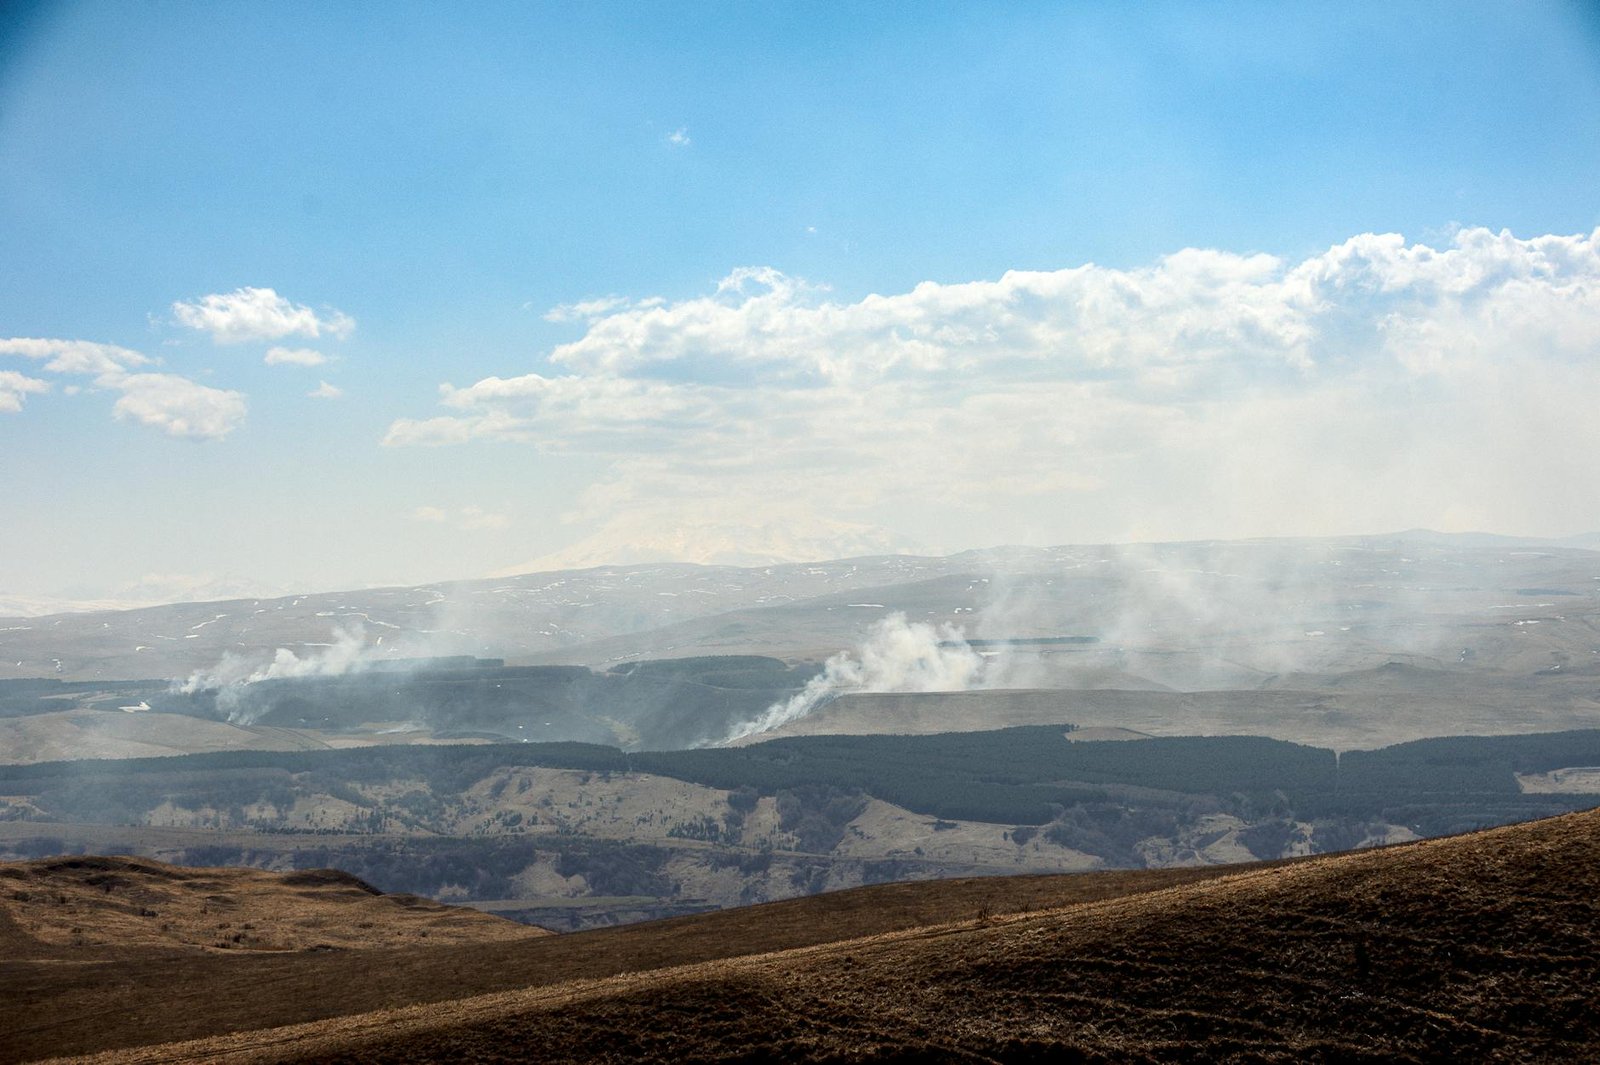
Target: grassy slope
{"x":76,"y":908}
{"x":1477,"y":947}
{"x":139,"y":999}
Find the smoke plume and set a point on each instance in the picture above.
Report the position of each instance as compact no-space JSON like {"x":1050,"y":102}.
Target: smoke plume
{"x":898,"y":656}
{"x":234,"y":673}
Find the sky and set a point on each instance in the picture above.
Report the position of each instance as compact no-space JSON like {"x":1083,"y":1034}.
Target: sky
{"x":301,"y":296}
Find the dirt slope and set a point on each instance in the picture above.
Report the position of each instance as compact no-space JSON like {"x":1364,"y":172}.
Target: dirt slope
{"x":1479,"y":947}
{"x":83,"y":908}
{"x":153,"y":996}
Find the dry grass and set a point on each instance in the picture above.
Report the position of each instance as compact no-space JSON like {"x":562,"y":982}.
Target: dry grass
{"x":1479,"y":947}
{"x":79,"y":908}
{"x":148,"y":996}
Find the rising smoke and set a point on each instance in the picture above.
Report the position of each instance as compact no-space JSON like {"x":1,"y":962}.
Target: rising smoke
{"x":897,"y":656}
{"x":234,"y":673}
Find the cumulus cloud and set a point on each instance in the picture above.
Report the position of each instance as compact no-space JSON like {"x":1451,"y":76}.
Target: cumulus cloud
{"x":1378,"y":384}
{"x":679,"y":138}
{"x":14,"y":386}
{"x":258,"y":314}
{"x":171,"y":403}
{"x":326,"y":391}
{"x":294,"y":357}
{"x":467,"y":519}
{"x":178,"y":406}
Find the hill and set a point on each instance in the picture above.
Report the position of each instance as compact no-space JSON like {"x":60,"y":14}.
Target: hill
{"x":1345,"y":643}
{"x":142,"y":996}
{"x":1478,"y":947}
{"x":79,"y":907}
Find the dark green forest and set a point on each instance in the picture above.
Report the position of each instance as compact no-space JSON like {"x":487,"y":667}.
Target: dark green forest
{"x":1017,"y":776}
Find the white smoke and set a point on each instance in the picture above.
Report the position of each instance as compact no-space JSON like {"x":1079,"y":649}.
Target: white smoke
{"x":898,"y":656}
{"x":230,"y":676}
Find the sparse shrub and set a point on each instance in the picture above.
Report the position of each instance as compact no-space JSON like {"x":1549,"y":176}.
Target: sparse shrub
{"x":702,"y":828}
{"x":744,"y":798}
{"x":1268,"y":839}
{"x":809,"y":878}
{"x":817,"y":814}
{"x":1111,"y":831}
{"x":1341,"y":835}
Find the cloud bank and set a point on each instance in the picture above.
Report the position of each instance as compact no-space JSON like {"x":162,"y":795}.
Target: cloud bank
{"x":1378,"y":384}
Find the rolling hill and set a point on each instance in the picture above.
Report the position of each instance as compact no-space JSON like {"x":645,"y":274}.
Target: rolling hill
{"x":1475,"y":947}
{"x":1350,"y":642}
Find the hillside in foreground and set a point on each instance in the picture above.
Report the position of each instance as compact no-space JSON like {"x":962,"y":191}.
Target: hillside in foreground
{"x":142,"y":991}
{"x":1475,"y":947}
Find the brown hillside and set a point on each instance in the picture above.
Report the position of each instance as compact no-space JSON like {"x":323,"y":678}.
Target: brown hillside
{"x":1479,"y":947}
{"x":149,"y":997}
{"x":89,"y":908}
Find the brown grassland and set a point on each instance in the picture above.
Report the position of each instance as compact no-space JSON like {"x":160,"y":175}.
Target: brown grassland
{"x":1477,"y":947}
{"x":139,"y":995}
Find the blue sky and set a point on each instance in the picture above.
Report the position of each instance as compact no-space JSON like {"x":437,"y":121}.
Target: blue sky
{"x":444,"y":176}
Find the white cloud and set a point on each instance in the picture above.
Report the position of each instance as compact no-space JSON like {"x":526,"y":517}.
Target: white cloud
{"x":326,"y":391}
{"x":584,"y":310}
{"x":467,"y":519}
{"x":171,"y":403}
{"x":571,"y":412}
{"x":679,"y":138}
{"x":177,"y":406}
{"x":14,"y":386}
{"x":73,"y":356}
{"x":1380,"y":384}
{"x":258,"y":314}
{"x":294,"y":357}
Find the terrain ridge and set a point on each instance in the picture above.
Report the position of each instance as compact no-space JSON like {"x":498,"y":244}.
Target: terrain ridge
{"x":1473,"y":947}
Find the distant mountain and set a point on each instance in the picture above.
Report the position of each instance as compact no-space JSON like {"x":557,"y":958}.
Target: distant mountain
{"x":1584,"y":541}
{"x":1492,"y":637}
